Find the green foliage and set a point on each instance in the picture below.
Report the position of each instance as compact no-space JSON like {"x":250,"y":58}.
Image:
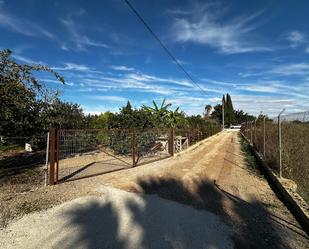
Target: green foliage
{"x":9,"y":147}
{"x":217,"y":113}
{"x":12,"y":72}
{"x":241,"y":116}
{"x":65,"y":115}
{"x":28,"y":108}
{"x":229,"y":111}
{"x":120,"y":141}
{"x":248,"y":156}
{"x":145,"y":141}
{"x":23,"y":97}
{"x":163,"y":117}
{"x":130,"y":118}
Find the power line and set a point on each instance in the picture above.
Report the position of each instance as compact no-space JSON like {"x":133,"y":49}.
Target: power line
{"x":163,"y":46}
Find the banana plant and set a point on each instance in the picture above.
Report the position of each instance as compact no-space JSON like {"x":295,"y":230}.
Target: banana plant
{"x":164,"y":117}
{"x":175,"y":118}
{"x":159,"y":112}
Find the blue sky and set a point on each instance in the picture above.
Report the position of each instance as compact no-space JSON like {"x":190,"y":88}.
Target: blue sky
{"x":258,"y":51}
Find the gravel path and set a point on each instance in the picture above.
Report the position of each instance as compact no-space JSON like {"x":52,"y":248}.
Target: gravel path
{"x":225,"y":203}
{"x":118,"y":219}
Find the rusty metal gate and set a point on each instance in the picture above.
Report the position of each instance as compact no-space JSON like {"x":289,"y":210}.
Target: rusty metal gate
{"x":76,"y":154}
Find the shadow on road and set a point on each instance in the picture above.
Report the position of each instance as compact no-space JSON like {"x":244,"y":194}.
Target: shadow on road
{"x":218,"y":219}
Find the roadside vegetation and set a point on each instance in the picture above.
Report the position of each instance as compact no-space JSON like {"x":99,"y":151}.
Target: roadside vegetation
{"x":249,"y":158}
{"x":28,"y":109}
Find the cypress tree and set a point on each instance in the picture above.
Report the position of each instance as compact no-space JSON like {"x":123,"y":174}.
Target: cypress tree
{"x":230,"y":117}
{"x":223,"y":106}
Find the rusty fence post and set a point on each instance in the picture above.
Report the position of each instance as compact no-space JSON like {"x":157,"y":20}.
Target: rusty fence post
{"x":133,"y":145}
{"x":171,"y":142}
{"x":51,"y":169}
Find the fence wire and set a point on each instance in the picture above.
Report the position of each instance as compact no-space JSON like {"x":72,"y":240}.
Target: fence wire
{"x":17,"y":158}
{"x":84,"y":153}
{"x":89,"y":152}
{"x":293,"y":131}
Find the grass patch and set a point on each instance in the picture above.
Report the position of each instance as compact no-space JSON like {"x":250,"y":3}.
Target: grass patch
{"x":250,"y":160}
{"x":9,"y":147}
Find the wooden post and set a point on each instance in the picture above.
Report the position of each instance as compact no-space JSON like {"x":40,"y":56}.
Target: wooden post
{"x":171,"y":142}
{"x":51,"y":169}
{"x":133,"y":145}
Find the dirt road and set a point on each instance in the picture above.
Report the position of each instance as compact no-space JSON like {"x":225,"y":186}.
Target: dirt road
{"x":213,"y":178}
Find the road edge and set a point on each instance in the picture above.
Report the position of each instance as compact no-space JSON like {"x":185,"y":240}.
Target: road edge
{"x":279,"y":189}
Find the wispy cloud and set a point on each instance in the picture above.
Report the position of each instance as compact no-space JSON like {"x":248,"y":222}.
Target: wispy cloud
{"x":122,"y":68}
{"x":56,"y":82}
{"x":296,"y":38}
{"x":26,"y":59}
{"x":74,"y":67}
{"x":109,"y":98}
{"x":293,"y":69}
{"x":208,"y":27}
{"x":268,"y":104}
{"x":297,"y":69}
{"x":22,"y":26}
{"x":80,"y":40}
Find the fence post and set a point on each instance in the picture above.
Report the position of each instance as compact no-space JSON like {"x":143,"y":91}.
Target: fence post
{"x":198,"y":134}
{"x":57,"y":156}
{"x":188,"y":136}
{"x":171,"y":142}
{"x":264,"y":137}
{"x":46,"y":161}
{"x":51,"y":169}
{"x":251,"y":132}
{"x":133,"y":145}
{"x":254,"y":142}
{"x":280,"y":147}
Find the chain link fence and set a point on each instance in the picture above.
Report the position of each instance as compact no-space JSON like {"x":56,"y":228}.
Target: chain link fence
{"x":284,"y":144}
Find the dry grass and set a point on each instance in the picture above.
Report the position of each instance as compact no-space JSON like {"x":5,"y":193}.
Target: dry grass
{"x":295,"y":158}
{"x":295,"y":149}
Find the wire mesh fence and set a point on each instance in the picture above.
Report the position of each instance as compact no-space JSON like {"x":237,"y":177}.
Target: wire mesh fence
{"x":284,"y":144}
{"x":20,"y":155}
{"x":84,"y":153}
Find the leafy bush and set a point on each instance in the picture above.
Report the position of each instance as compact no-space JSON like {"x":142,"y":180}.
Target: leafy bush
{"x":120,"y":141}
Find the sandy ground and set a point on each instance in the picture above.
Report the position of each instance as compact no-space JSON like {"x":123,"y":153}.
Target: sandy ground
{"x":119,"y":219}
{"x":212,"y":178}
